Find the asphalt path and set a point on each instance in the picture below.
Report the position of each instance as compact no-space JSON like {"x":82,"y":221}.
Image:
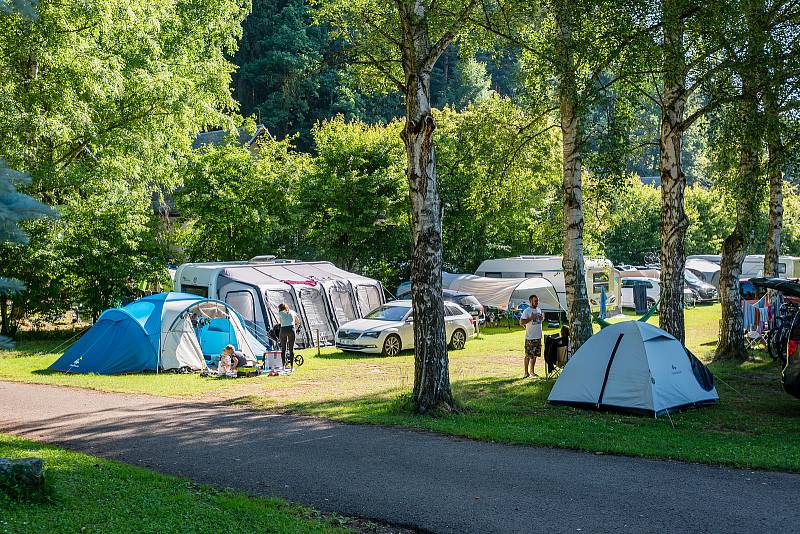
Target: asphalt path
{"x":416,"y":479}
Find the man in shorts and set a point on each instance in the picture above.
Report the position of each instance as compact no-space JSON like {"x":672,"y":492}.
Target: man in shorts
{"x":532,"y":319}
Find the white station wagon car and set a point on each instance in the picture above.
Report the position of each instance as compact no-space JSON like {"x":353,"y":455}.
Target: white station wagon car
{"x":390,"y":328}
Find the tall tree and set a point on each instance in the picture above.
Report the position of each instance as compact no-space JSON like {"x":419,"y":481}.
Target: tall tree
{"x":101,"y":101}
{"x":779,"y":100}
{"x":399,"y":44}
{"x":578,"y":310}
{"x":689,"y":44}
{"x":14,"y":205}
{"x":673,"y":180}
{"x":744,"y":124}
{"x":571,"y":54}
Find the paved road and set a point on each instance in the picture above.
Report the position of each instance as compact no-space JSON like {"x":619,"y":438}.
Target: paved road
{"x":404,"y":477}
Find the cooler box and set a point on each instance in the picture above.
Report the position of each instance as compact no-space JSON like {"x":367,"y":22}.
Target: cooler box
{"x":272,"y":360}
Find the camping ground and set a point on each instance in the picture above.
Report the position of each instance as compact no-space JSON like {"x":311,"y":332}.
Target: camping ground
{"x":755,"y":425}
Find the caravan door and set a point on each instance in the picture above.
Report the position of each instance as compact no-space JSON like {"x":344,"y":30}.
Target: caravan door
{"x":597,"y":280}
{"x":274,"y":298}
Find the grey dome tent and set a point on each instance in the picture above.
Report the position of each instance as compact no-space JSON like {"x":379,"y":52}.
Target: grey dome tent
{"x":634,"y":366}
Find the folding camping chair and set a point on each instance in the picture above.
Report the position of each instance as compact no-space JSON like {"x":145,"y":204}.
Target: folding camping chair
{"x":756,"y":324}
{"x":555,"y":356}
{"x":756,"y":338}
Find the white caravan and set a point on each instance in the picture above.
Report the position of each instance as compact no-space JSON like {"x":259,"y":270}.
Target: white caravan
{"x":753,"y":265}
{"x":600,"y":274}
{"x":325,"y":296}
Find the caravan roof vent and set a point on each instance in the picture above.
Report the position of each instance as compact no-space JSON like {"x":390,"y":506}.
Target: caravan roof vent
{"x":262,"y":259}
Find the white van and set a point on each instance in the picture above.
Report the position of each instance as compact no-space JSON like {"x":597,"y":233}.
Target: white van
{"x":600,"y":274}
{"x":324,"y":295}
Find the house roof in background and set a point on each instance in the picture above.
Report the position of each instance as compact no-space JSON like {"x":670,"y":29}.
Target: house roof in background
{"x":217,"y":137}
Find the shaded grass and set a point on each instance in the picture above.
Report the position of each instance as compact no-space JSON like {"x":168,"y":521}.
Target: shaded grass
{"x":756,"y":424}
{"x":90,"y":494}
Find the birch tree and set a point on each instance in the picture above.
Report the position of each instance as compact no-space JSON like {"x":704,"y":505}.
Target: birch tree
{"x":572,"y":54}
{"x":396,"y":45}
{"x":742,"y":126}
{"x":674,"y":222}
{"x":779,"y":102}
{"x":763,"y":50}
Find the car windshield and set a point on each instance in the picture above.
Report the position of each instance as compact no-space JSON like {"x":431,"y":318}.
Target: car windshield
{"x":691,"y":277}
{"x":388,"y":313}
{"x":469,"y":300}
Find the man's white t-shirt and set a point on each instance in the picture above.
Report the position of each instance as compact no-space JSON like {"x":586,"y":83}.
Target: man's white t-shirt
{"x":533,"y":329}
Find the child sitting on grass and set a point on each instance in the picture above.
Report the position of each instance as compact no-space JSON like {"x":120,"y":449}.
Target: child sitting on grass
{"x":225,"y":364}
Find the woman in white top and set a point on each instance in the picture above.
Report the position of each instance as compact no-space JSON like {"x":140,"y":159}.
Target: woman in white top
{"x":289,"y":320}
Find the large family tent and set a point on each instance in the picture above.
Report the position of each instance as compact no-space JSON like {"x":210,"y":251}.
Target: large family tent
{"x":325,"y":296}
{"x":161,"y":332}
{"x":637,"y":367}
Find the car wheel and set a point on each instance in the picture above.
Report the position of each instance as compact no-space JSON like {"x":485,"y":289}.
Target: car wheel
{"x":650,"y":302}
{"x":392,"y":345}
{"x":458,"y":340}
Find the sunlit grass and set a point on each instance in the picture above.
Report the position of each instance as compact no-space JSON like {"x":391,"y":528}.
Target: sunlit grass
{"x":756,"y":424}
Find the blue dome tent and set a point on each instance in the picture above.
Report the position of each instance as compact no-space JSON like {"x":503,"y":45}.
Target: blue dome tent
{"x":157,"y":333}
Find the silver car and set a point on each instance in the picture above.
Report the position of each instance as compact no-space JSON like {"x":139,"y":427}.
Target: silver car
{"x":390,"y":328}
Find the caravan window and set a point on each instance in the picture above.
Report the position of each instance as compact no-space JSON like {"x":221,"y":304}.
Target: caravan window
{"x":600,"y":281}
{"x":242,"y":302}
{"x":368,"y":298}
{"x":195,"y":290}
{"x":534,"y":275}
{"x":314,"y":308}
{"x":493,"y":275}
{"x":781,"y":268}
{"x":342,"y":304}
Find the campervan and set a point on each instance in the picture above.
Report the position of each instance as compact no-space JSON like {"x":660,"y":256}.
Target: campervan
{"x":705,"y":270}
{"x":600,"y":275}
{"x":324,"y":295}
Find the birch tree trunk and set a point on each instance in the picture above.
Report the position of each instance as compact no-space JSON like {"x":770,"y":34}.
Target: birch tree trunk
{"x":746,"y":184}
{"x":775,"y":176}
{"x":578,"y":309}
{"x":431,"y":370}
{"x":673,"y":182}
{"x":731,"y":344}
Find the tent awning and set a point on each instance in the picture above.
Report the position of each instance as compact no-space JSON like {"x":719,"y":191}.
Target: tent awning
{"x":504,"y":293}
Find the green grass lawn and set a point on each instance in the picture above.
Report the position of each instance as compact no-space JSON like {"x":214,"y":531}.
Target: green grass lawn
{"x":89,"y":494}
{"x":755,"y":425}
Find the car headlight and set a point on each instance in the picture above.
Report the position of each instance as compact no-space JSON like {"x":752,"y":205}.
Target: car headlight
{"x":374,"y":335}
